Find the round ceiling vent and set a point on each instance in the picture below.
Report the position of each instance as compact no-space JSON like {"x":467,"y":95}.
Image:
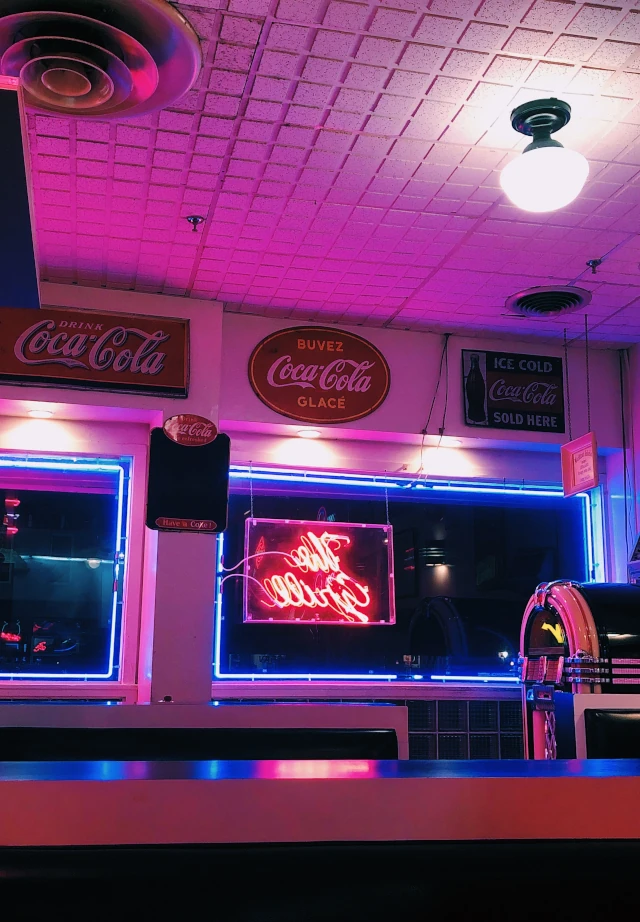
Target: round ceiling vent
{"x":91,"y":58}
{"x":548,"y":301}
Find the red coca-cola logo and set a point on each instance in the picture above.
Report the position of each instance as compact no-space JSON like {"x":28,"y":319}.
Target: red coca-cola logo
{"x":44,"y":344}
{"x":536,"y":392}
{"x":79,"y":348}
{"x":319,"y":375}
{"x":189,"y":429}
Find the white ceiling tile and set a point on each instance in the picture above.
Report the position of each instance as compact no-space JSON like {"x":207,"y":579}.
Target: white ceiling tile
{"x":391,"y":211}
{"x":481,"y":36}
{"x":434,"y":29}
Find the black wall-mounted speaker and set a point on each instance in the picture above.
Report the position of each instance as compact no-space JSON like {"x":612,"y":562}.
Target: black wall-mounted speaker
{"x":188,"y":486}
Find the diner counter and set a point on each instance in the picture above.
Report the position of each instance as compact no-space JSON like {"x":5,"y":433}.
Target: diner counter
{"x":215,"y":802}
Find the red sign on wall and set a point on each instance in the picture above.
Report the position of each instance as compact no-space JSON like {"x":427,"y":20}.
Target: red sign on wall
{"x":88,"y":349}
{"x":301,"y":572}
{"x":189,"y":429}
{"x":579,"y":460}
{"x":319,"y":375}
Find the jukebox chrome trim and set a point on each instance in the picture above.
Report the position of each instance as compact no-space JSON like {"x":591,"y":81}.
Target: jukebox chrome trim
{"x":564,"y":599}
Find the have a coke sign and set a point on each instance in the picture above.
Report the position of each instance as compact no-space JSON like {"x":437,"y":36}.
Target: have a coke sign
{"x":305,"y":572}
{"x":511,"y":390}
{"x":88,"y":349}
{"x":319,"y":375}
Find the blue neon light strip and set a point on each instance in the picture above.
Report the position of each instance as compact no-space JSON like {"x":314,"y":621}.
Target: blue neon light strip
{"x":60,"y":465}
{"x":315,"y":478}
{"x":499,"y":491}
{"x":479,"y":680}
{"x":217,"y":629}
{"x":589,"y":544}
{"x":283,"y":475}
{"x":96,"y":467}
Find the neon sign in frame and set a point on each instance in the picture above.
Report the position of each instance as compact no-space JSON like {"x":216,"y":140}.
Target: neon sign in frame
{"x":310,"y":572}
{"x":369,"y":484}
{"x":120,"y":471}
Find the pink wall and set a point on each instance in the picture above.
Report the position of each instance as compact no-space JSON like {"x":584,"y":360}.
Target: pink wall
{"x":414,"y":360}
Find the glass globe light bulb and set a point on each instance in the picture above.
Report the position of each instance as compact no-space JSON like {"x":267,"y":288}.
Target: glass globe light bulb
{"x":544,"y":178}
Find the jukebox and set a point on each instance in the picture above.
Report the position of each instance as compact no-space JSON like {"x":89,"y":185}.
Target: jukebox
{"x":578,"y":642}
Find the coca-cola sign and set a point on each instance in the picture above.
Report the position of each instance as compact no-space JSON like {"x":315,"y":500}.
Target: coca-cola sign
{"x":510,"y":390}
{"x":81,"y":348}
{"x":319,"y":375}
{"x":189,"y":429}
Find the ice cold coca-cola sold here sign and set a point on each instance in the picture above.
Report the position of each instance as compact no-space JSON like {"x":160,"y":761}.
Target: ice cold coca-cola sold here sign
{"x":511,"y":390}
{"x":319,"y":375}
{"x":87,"y":349}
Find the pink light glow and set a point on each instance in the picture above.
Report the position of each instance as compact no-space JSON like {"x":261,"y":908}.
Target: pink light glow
{"x":341,"y":593}
{"x":318,"y":768}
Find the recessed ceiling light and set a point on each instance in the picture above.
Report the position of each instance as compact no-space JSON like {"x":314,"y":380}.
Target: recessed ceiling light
{"x":40,"y":413}
{"x":546,"y":176}
{"x":309,"y":433}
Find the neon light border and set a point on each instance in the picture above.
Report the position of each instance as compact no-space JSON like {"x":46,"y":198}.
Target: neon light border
{"x":121,"y":533}
{"x":285,"y":475}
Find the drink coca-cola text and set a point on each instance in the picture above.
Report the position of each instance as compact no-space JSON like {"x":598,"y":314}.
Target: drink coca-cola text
{"x":44,"y":344}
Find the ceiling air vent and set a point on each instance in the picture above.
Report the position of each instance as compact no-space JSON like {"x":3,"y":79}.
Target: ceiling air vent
{"x":94,"y":59}
{"x":548,"y":301}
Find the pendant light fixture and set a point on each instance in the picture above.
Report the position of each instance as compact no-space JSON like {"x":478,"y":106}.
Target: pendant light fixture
{"x":546,"y":176}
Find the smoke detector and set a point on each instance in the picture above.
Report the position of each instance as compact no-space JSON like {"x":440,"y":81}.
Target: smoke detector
{"x":89,"y":58}
{"x":551,"y":301}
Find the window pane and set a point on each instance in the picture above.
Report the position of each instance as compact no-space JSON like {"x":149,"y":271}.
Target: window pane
{"x":465,"y":566}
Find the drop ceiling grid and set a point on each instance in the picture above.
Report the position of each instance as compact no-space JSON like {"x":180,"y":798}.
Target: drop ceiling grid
{"x":346,"y":159}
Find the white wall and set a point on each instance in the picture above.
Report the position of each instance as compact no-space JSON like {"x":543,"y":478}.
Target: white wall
{"x":177,"y":591}
{"x":414,"y":360}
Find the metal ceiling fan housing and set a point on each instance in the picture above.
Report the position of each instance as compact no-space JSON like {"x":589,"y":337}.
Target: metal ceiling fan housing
{"x":91,"y":59}
{"x":548,"y":301}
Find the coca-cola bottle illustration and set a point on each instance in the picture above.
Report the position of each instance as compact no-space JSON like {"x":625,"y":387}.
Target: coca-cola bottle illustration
{"x":476,"y":392}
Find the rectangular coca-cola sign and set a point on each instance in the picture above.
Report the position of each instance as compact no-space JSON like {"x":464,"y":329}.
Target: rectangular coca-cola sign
{"x":88,"y":349}
{"x":511,"y":390}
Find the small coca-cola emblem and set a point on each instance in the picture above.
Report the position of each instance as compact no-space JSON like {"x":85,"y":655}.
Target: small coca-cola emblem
{"x":189,"y":429}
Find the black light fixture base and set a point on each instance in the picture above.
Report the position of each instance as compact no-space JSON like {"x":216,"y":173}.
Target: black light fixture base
{"x":541,"y":117}
{"x":195,"y":220}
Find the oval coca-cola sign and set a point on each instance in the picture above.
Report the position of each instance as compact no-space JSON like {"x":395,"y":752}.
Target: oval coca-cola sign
{"x":191,"y":430}
{"x":319,"y":375}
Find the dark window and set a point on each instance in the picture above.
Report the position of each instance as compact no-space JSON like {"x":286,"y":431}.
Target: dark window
{"x":465,"y":566}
